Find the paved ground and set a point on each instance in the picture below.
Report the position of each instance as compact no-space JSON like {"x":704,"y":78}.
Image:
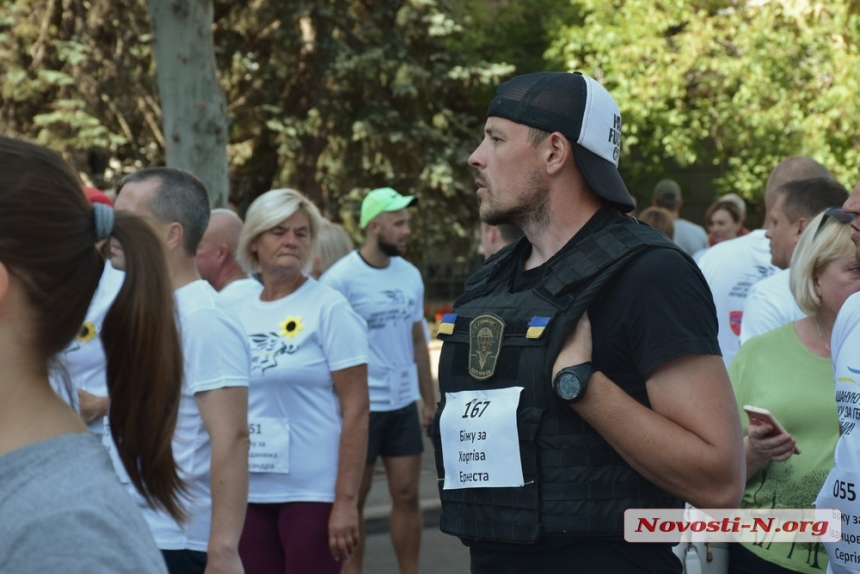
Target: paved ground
{"x":440,"y":553}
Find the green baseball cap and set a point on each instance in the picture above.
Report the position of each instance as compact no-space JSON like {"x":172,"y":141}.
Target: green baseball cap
{"x":383,"y":199}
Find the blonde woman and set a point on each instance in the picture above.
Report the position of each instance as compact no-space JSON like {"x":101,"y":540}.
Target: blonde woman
{"x":788,"y":371}
{"x":308,"y":403}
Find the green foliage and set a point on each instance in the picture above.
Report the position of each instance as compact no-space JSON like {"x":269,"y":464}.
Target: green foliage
{"x":76,"y":80}
{"x":348,"y":99}
{"x":336,"y":97}
{"x":739,"y":85}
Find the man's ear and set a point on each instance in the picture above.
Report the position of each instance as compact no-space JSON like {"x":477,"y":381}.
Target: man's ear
{"x":174,"y":235}
{"x":223,"y":252}
{"x":556,"y":153}
{"x":801,"y":224}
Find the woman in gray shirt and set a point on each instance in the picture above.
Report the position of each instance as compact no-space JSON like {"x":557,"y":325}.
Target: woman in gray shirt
{"x":62,"y":509}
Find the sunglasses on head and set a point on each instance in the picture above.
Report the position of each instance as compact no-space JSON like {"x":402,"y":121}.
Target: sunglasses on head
{"x":836,"y":213}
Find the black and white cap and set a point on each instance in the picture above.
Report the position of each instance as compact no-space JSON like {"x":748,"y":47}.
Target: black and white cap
{"x":582,"y":110}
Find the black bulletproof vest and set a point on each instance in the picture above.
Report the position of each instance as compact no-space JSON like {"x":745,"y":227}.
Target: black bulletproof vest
{"x":575,"y":483}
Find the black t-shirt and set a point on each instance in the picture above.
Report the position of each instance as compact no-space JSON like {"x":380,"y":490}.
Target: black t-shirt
{"x":659,"y":308}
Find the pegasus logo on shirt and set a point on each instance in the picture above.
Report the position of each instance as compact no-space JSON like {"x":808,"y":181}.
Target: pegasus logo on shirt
{"x":396,"y":307}
{"x":266,"y":348}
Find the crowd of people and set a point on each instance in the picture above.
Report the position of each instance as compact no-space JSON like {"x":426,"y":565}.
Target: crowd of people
{"x":188,"y":392}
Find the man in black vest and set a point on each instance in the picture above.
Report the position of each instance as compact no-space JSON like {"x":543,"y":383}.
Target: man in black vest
{"x":552,"y":421}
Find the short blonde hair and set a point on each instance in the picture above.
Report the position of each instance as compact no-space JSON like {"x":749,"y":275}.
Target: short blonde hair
{"x":334,"y":242}
{"x":267,"y":212}
{"x":819,"y":244}
{"x":659,"y":218}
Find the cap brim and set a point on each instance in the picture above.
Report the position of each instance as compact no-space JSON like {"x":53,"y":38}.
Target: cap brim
{"x":396,"y":205}
{"x":408,"y":201}
{"x":603,"y":178}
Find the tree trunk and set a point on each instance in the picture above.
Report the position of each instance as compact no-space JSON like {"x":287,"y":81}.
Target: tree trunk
{"x":193,"y":106}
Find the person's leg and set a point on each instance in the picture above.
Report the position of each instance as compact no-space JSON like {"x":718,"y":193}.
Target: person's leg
{"x":401,"y":453}
{"x":260,"y":546}
{"x":406,"y":521}
{"x":303,"y":528}
{"x":354,"y":564}
{"x":184,"y":561}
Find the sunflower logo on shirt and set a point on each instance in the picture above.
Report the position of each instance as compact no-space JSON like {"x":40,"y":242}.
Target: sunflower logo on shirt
{"x":291,"y":326}
{"x":86,"y":333}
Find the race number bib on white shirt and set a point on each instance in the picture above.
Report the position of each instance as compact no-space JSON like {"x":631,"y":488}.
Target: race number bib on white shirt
{"x":403,"y":381}
{"x":270,"y":445}
{"x":480,"y":439}
{"x":841,"y":490}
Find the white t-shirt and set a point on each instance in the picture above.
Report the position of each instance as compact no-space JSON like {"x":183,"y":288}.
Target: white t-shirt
{"x":770,"y":305}
{"x":731,"y":268}
{"x":689,"y":236}
{"x":217,"y":356}
{"x":240,"y":291}
{"x":296,"y":343}
{"x":842,"y":486}
{"x":84,"y":358}
{"x":844,"y":345}
{"x":391,"y":301}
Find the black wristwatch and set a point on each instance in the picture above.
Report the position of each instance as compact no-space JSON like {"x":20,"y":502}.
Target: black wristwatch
{"x":571,"y":382}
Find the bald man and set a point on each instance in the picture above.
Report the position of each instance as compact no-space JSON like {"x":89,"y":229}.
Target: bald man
{"x":216,"y":259}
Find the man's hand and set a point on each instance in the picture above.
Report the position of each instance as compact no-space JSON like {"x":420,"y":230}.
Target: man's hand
{"x":343,"y":534}
{"x":92,"y":407}
{"x":427,"y":414}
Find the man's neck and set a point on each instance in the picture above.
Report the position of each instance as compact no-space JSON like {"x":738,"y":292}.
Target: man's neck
{"x":566,"y":218}
{"x":374,"y":256}
{"x":229,"y":274}
{"x":182,"y":269}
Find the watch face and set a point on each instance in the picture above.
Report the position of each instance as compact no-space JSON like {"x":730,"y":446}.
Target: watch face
{"x":568,"y":386}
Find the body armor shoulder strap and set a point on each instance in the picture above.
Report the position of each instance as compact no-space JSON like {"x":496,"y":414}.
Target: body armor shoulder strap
{"x":575,"y":266}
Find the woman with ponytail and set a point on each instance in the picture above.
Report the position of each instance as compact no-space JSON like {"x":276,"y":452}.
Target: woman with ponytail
{"x":62,"y":507}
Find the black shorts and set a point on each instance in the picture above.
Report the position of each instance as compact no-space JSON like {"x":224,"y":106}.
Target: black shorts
{"x":184,"y":561}
{"x":394,"y":433}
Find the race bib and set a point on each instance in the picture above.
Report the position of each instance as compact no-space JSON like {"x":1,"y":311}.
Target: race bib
{"x":107,"y":442}
{"x":480,"y":443}
{"x":840,"y":491}
{"x":270,"y":445}
{"x":403,"y":381}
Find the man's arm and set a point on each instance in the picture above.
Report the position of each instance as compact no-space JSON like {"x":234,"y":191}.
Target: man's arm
{"x":425,"y":379}
{"x":688,"y":443}
{"x":225,"y":416}
{"x":351,"y":387}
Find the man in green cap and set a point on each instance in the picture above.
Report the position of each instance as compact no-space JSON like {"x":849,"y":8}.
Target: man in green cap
{"x":388,"y":292}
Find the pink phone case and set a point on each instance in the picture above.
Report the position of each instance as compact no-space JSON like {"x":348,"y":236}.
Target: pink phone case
{"x":764,"y":416}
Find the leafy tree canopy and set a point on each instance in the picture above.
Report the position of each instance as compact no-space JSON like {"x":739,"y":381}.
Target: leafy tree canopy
{"x":735,"y":84}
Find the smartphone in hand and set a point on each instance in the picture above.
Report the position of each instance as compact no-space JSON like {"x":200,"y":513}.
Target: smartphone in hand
{"x":763,"y":416}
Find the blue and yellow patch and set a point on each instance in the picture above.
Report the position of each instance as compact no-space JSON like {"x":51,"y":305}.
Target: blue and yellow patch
{"x":446,"y":326}
{"x":536,"y":327}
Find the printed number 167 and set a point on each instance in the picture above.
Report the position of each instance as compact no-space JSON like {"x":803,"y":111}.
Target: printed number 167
{"x":476,"y":410}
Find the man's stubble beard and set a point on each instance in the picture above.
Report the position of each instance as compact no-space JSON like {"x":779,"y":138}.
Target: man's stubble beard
{"x":531,"y":212}
{"x":389,"y":249}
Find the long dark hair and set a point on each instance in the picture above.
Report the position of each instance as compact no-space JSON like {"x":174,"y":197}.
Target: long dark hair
{"x":47,"y":242}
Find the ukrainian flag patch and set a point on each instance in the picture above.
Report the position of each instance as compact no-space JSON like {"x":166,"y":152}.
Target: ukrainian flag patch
{"x":536,"y":327}
{"x":446,"y":326}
